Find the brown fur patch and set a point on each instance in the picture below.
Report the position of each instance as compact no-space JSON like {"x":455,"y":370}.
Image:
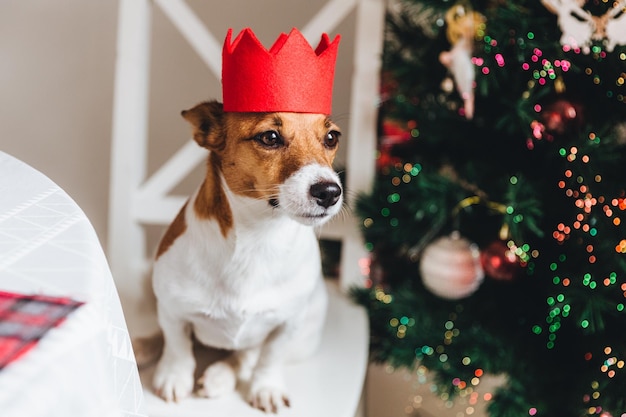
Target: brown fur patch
{"x":255,"y":171}
{"x":211,"y":202}
{"x":206,"y":119}
{"x":147,"y":349}
{"x":175,"y":229}
{"x":248,"y":167}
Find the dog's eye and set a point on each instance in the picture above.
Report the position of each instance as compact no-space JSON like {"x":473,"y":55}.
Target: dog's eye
{"x":269,"y":139}
{"x":332,"y":139}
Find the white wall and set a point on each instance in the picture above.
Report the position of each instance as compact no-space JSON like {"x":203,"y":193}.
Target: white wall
{"x":57,"y":61}
{"x":56,"y":78}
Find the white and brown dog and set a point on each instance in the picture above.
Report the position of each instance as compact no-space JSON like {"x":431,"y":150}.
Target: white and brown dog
{"x":239,"y":268}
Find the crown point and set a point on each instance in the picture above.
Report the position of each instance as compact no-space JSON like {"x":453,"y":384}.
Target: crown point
{"x":290,"y":76}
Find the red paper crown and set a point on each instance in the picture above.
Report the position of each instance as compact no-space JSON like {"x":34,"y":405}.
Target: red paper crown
{"x":290,"y":77}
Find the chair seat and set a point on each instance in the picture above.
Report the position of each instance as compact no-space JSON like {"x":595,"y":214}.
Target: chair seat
{"x":327,"y":384}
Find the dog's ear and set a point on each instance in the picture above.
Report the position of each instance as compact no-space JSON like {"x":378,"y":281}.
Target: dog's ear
{"x":207,"y":120}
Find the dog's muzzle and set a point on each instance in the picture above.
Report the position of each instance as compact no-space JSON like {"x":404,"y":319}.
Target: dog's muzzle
{"x":311,"y":195}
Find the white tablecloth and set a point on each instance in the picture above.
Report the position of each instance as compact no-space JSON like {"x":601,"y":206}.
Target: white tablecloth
{"x":85,"y":367}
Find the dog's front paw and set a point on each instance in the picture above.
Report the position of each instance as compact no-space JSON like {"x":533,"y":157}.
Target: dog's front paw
{"x":173,"y":382}
{"x":218,"y":379}
{"x":268,"y":398}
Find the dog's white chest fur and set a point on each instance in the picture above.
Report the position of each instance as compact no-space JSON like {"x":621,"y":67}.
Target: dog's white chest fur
{"x":234,"y":291}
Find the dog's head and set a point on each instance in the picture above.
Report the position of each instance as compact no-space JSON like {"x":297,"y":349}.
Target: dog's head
{"x":284,"y":159}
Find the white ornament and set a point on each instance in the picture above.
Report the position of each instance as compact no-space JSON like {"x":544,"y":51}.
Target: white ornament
{"x":450,"y":267}
{"x":579,"y":27}
{"x":461,"y":29}
{"x":576,"y":24}
{"x":616,"y":26}
{"x":459,"y":61}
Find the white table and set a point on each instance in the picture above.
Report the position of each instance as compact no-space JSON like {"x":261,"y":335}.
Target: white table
{"x":85,"y":367}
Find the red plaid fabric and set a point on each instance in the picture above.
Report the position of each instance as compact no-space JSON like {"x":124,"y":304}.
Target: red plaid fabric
{"x":24,"y":319}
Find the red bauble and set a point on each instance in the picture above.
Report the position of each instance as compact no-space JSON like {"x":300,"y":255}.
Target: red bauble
{"x":394,"y":135}
{"x":499,"y":262}
{"x":562,"y":116}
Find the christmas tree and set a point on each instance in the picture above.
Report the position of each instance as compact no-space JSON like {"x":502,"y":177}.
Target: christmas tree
{"x":496,"y":224}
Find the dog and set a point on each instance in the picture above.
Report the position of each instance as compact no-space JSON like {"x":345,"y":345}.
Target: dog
{"x":239,"y":268}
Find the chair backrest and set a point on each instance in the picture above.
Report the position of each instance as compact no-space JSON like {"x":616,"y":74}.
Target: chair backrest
{"x":137,"y":200}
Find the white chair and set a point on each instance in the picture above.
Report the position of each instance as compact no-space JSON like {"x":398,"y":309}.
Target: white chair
{"x":331,"y":382}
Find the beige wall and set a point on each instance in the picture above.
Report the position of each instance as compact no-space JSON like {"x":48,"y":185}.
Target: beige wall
{"x":57,"y":62}
{"x":56,"y":77}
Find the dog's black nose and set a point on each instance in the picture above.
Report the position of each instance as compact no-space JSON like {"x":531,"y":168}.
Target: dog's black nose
{"x":325,"y":193}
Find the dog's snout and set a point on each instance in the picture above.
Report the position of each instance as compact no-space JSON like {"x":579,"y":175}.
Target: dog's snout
{"x":326,"y":194}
